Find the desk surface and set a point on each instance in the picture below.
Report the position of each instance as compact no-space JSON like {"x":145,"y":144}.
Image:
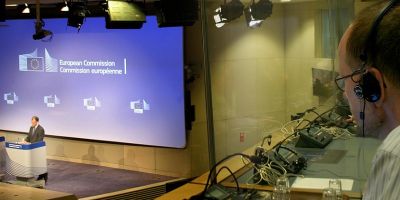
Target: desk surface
{"x":236,"y":163}
{"x":345,"y":159}
{"x":354,"y":163}
{"x":14,"y":192}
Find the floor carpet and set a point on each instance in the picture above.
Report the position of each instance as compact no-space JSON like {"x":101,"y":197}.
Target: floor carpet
{"x":85,"y":180}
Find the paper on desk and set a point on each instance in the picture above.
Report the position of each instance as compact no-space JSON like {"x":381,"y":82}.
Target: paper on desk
{"x":320,"y":183}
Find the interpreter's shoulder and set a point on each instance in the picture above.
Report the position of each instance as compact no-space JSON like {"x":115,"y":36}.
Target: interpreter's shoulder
{"x":391,"y":144}
{"x":390,"y":150}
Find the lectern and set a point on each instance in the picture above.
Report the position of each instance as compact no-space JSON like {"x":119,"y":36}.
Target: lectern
{"x":26,"y":160}
{"x":2,"y":153}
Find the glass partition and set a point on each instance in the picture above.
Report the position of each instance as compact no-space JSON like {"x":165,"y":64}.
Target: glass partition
{"x":272,"y":63}
{"x":263,"y":75}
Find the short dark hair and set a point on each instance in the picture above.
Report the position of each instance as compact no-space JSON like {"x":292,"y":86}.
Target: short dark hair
{"x":386,"y":50}
{"x":36,"y":118}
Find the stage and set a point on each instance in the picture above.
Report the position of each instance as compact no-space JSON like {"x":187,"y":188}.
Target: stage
{"x":86,"y":180}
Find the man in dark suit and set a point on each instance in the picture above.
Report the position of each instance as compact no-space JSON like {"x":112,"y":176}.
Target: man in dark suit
{"x":36,"y":134}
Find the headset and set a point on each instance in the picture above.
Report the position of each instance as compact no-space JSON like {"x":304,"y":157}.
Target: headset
{"x":368,"y":87}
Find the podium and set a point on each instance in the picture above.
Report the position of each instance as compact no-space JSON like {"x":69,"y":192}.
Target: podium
{"x":2,"y":153}
{"x":26,"y":160}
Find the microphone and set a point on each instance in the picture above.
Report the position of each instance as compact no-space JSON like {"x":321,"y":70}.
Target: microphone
{"x":268,"y":138}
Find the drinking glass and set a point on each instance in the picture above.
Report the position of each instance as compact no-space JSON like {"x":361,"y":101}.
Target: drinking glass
{"x":336,"y":184}
{"x":328,"y":194}
{"x":281,"y":189}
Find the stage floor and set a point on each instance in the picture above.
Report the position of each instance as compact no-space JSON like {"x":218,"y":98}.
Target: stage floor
{"x":85,"y":180}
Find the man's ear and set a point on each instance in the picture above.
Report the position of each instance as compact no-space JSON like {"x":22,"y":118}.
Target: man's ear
{"x":379,"y":77}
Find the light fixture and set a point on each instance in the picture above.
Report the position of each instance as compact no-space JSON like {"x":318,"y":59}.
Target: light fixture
{"x":2,"y":10}
{"x":256,"y":13}
{"x":124,"y":15}
{"x":77,"y":14}
{"x":40,"y":33}
{"x":228,"y":12}
{"x":177,"y":12}
{"x":26,"y":9}
{"x":65,"y":8}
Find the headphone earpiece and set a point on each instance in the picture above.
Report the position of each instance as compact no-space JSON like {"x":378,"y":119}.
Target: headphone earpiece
{"x":368,"y":88}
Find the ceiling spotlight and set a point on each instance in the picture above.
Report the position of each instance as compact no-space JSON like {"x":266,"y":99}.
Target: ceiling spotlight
{"x":124,"y":15}
{"x":26,"y":9}
{"x":65,"y":8}
{"x":77,"y":14}
{"x":256,"y":13}
{"x":40,"y":33}
{"x":228,"y":12}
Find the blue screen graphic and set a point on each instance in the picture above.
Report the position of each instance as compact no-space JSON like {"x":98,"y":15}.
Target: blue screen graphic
{"x":110,"y":85}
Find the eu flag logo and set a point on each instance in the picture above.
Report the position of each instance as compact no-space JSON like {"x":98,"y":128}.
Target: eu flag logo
{"x":35,"y":64}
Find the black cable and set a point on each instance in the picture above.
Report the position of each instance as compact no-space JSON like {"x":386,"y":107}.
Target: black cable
{"x":304,"y":120}
{"x":293,"y":134}
{"x":233,"y":175}
{"x":221,"y":161}
{"x":322,"y":114}
{"x":309,"y":124}
{"x":313,"y":111}
{"x":281,"y":142}
{"x":362,"y":117}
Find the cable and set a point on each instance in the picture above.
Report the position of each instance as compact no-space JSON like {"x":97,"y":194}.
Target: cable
{"x":280,"y":143}
{"x":309,"y":124}
{"x":232,"y":174}
{"x":335,"y":174}
{"x":295,"y":128}
{"x":322,"y":114}
{"x":339,"y":133}
{"x":293,"y":133}
{"x":362,"y":117}
{"x":221,"y":161}
{"x":313,"y":111}
{"x":268,"y":172}
{"x":284,"y":130}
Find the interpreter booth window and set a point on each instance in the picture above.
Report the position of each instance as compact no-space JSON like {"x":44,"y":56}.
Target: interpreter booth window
{"x":273,"y":74}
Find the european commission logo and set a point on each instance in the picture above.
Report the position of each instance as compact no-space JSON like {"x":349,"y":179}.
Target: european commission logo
{"x":51,"y":101}
{"x":91,"y":103}
{"x":139,"y":106}
{"x":32,"y":62}
{"x":10,"y":98}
